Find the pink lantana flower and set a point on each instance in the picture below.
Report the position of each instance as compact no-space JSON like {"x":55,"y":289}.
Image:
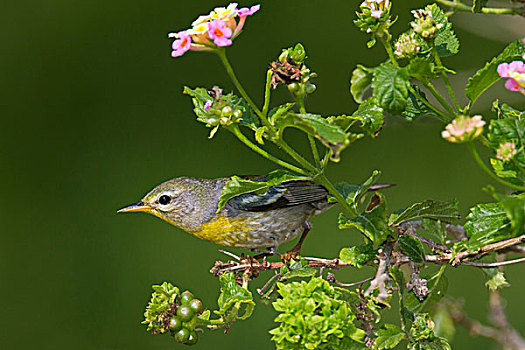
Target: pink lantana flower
{"x":217,"y":29}
{"x":515,"y":72}
{"x":220,"y":33}
{"x":248,"y":11}
{"x":463,"y":129}
{"x":181,"y":44}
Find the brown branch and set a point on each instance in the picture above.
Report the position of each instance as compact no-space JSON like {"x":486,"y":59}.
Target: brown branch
{"x":382,"y":275}
{"x":416,"y":283}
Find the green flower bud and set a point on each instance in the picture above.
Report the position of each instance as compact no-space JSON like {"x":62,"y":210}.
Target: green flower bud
{"x":425,"y":25}
{"x":227,"y":111}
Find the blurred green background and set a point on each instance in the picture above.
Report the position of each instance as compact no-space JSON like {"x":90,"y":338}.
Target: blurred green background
{"x":93,"y":117}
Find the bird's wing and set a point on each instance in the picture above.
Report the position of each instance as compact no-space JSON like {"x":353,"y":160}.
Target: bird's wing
{"x":285,"y":194}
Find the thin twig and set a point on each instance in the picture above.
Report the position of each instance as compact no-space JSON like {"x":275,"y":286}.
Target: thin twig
{"x":263,"y":288}
{"x":494,"y":264}
{"x":330,"y":277}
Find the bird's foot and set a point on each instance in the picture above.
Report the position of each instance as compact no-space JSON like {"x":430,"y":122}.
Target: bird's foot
{"x":289,"y":255}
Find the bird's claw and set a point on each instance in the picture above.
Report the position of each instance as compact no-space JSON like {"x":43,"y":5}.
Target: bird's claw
{"x":289,"y":255}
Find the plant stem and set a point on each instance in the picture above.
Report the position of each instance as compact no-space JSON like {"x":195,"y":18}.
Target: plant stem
{"x":445,"y":77}
{"x":389,"y":50}
{"x":443,"y":116}
{"x":302,"y":109}
{"x":267,"y":93}
{"x":280,"y":142}
{"x":323,"y":180}
{"x":440,"y":99}
{"x":490,"y":173}
{"x":222,"y":55}
{"x":459,"y":6}
{"x":237,"y":132}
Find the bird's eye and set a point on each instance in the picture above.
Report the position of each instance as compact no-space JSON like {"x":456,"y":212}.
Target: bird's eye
{"x":164,"y":199}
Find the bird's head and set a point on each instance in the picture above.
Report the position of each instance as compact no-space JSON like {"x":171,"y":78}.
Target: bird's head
{"x":171,"y":201}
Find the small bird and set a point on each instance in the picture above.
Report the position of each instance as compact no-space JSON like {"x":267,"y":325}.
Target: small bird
{"x":250,"y":220}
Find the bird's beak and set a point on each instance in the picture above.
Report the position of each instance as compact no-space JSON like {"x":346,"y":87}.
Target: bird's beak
{"x":139,"y":206}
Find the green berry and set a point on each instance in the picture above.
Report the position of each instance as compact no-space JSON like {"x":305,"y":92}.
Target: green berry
{"x":182,"y":336}
{"x":193,"y":338}
{"x":175,"y":324}
{"x":191,"y":323}
{"x":186,"y":297}
{"x":310,"y":88}
{"x":196,"y":305}
{"x":185,"y":313}
{"x":293,"y":87}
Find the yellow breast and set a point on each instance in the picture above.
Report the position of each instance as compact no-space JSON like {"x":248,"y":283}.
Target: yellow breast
{"x":225,"y":231}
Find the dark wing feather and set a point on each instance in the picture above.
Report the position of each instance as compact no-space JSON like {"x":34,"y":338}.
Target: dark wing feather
{"x":283,"y":195}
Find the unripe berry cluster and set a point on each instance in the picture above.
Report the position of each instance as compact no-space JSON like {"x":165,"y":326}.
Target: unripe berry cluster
{"x":182,"y":324}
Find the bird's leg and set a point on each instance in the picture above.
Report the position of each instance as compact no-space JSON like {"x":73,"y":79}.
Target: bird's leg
{"x":263,"y":253}
{"x":294,"y":252}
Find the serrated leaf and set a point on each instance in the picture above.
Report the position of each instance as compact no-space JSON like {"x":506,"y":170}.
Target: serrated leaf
{"x":359,"y":82}
{"x":358,"y":255}
{"x":415,"y":108}
{"x":354,"y":194}
{"x":330,"y":135}
{"x":488,"y":75}
{"x":371,"y":116}
{"x":237,"y":185}
{"x":370,"y":223}
{"x":514,"y":207}
{"x":486,"y":223}
{"x":430,"y":209}
{"x":390,"y":85}
{"x":232,"y":293}
{"x":478,"y":5}
{"x":388,"y":337}
{"x":421,"y":68}
{"x":298,"y":269}
{"x":446,"y":42}
{"x":412,"y":247}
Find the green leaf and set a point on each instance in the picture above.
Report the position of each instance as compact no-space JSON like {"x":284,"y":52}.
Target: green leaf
{"x":514,"y":207}
{"x":478,"y":5}
{"x":487,"y":76}
{"x":415,"y":107}
{"x":388,"y":337}
{"x":358,"y":255}
{"x":412,"y":247}
{"x":446,"y":42}
{"x":371,"y":116}
{"x":432,"y":229}
{"x":330,"y":135}
{"x":370,"y":223}
{"x":354,"y":194}
{"x":421,"y":68}
{"x":390,"y":84}
{"x":495,"y":279}
{"x":430,"y":209}
{"x":237,"y":185}
{"x":360,"y":81}
{"x":438,"y":289}
{"x":298,"y":269}
{"x":232,"y":293}
{"x":509,"y":129}
{"x":486,"y":223}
